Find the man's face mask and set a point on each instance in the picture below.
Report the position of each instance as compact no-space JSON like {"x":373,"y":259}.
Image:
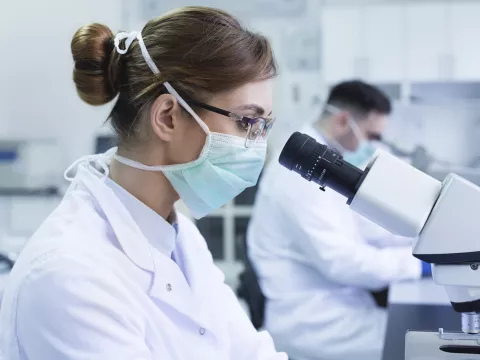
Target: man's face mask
{"x":365,"y":149}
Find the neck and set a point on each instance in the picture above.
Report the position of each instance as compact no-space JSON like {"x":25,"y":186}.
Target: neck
{"x":150,"y":187}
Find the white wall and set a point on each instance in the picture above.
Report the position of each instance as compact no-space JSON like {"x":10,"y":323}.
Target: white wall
{"x":38,"y":99}
{"x":449,"y":131}
{"x":385,"y":43}
{"x":37,"y":95}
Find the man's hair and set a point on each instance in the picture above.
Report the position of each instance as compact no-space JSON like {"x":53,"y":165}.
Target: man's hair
{"x":359,"y":98}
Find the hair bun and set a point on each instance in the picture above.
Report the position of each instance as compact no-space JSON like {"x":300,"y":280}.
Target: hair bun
{"x":92,"y":48}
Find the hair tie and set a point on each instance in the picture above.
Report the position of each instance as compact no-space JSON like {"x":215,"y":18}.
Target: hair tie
{"x":129,"y":37}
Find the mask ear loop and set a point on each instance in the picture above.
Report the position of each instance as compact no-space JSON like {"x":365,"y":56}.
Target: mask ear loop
{"x":187,"y":107}
{"x":352,"y":123}
{"x":169,"y":87}
{"x":151,"y":64}
{"x":103,"y":160}
{"x":97,"y":159}
{"x":356,"y":129}
{"x":334,"y":110}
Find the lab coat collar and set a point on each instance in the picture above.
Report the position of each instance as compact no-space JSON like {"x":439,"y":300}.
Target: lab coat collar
{"x":159,"y":232}
{"x":169,"y":284}
{"x":131,"y":239}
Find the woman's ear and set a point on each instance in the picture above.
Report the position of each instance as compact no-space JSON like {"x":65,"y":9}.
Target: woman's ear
{"x":164,"y":116}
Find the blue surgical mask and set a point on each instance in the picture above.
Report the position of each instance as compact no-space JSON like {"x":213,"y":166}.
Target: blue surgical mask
{"x":361,"y":156}
{"x":223,"y":170}
{"x":365,"y":150}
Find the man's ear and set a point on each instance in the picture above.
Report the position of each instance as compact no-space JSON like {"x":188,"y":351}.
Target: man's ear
{"x":164,"y":116}
{"x":342,"y":120}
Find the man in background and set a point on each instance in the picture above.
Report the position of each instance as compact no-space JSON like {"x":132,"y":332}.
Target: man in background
{"x":318,"y":261}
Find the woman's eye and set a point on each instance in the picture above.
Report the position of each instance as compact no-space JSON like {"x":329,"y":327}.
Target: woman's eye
{"x":242,"y":125}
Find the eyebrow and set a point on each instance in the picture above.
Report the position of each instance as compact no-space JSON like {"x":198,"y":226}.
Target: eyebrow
{"x":256,"y":108}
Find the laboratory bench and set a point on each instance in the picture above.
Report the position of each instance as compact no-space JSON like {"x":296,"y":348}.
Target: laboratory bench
{"x":416,"y":305}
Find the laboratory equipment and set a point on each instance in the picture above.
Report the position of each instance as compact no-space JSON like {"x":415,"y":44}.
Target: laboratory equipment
{"x":29,"y":165}
{"x":443,"y":216}
{"x":420,"y":157}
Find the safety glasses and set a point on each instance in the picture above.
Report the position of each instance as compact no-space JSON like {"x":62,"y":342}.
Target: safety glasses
{"x":257,"y":128}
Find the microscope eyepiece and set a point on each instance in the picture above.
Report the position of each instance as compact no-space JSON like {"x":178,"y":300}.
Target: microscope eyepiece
{"x":317,"y":162}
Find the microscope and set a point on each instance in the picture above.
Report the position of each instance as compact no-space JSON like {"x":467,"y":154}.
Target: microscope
{"x":443,"y":217}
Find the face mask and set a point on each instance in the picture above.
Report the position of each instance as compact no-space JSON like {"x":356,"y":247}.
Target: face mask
{"x":360,"y":157}
{"x":365,"y":149}
{"x":364,"y":152}
{"x":223,"y":170}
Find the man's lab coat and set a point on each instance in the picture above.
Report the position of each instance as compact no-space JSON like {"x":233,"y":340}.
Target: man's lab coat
{"x":317,"y":261}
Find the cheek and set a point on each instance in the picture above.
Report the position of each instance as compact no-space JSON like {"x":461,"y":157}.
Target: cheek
{"x":349,"y":142}
{"x":189,"y":143}
{"x":224,"y":125}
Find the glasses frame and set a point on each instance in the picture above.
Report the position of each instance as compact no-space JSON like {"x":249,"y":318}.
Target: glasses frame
{"x":267,"y":121}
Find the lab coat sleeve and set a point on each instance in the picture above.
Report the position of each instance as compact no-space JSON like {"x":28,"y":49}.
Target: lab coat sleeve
{"x":317,"y":228}
{"x":67,"y":312}
{"x":246,"y":341}
{"x":378,"y":236}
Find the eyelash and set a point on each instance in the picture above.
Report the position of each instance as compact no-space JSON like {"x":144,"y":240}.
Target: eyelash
{"x":242,"y":125}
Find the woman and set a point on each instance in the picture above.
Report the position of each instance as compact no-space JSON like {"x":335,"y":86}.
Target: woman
{"x":115,"y":272}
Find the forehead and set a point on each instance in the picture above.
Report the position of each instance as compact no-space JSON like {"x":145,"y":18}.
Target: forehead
{"x":259,"y":93}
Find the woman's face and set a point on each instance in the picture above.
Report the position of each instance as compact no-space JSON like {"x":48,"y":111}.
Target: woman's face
{"x":251,"y":100}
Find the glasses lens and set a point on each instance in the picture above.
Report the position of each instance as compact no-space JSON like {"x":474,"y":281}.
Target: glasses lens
{"x":255,"y":131}
{"x":268,"y":127}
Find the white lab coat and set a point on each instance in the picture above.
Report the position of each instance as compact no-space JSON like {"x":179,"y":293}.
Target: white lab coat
{"x":316,"y":269}
{"x":107,"y":278}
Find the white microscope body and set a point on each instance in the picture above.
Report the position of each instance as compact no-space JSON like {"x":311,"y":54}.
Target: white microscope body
{"x":445,"y":218}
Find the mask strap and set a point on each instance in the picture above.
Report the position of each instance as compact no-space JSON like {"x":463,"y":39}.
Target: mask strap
{"x":103,"y":160}
{"x":187,"y":107}
{"x":151,"y":64}
{"x":356,"y":130}
{"x":129,"y":37}
{"x":352,"y":123}
{"x":97,"y":159}
{"x":135,"y":164}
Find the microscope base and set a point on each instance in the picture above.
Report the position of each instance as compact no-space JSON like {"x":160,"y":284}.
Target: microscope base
{"x":429,"y":345}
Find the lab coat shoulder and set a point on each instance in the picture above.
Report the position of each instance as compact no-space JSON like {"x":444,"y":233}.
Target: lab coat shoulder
{"x":77,"y":228}
{"x":297,"y":200}
{"x":71,"y":277}
{"x":66,"y":292}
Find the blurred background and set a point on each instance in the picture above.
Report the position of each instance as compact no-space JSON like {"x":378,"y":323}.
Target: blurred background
{"x":424,"y":54}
